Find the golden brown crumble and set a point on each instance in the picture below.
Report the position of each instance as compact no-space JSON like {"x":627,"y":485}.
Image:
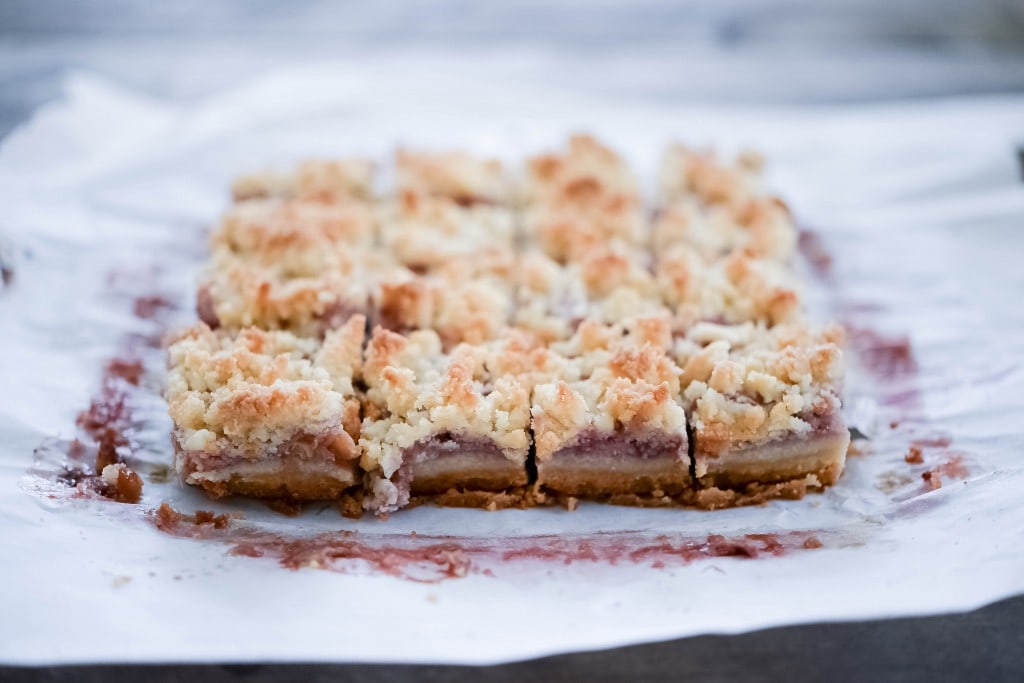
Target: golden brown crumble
{"x":250,"y":392}
{"x":748,"y":384}
{"x":609,"y":378}
{"x":455,"y":175}
{"x":329,"y":181}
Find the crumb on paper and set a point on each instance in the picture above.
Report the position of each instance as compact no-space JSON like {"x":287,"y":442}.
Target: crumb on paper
{"x":119,"y":581}
{"x":121,"y":484}
{"x":914,"y":456}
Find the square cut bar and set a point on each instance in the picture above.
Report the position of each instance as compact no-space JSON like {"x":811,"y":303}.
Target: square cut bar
{"x":607,"y":422}
{"x":266,"y":414}
{"x":733,"y":289}
{"x":764,"y":405}
{"x":329,"y":181}
{"x":611,"y":283}
{"x":463,"y":178}
{"x":445,"y":423}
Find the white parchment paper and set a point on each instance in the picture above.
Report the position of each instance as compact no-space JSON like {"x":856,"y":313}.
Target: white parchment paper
{"x":106,"y":195}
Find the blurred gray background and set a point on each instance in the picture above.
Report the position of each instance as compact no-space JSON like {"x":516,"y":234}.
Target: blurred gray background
{"x":728,"y":50}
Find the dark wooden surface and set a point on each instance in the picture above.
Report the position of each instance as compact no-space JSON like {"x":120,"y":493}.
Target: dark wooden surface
{"x":986,"y":645}
{"x":739,"y":50}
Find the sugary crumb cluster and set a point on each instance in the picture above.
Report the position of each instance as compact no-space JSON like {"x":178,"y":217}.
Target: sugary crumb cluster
{"x":520,"y":308}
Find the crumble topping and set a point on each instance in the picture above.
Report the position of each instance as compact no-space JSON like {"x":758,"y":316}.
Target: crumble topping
{"x":734,"y":289}
{"x":759,"y":226}
{"x":699,"y":174}
{"x":748,"y":384}
{"x":585,"y":165}
{"x":458,"y":176}
{"x":611,"y":283}
{"x":267,"y":228}
{"x":466,"y":298}
{"x":318,"y":180}
{"x":415,"y":390}
{"x":423,"y":232}
{"x":251,"y":392}
{"x":305,"y":291}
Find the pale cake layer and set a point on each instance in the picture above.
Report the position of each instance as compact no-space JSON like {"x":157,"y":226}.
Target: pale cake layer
{"x":287,"y":478}
{"x":439,"y":464}
{"x":821,"y":454}
{"x":597,"y":464}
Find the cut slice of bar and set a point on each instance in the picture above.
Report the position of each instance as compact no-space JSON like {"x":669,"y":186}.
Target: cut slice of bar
{"x":306,"y":291}
{"x":266,"y":414}
{"x":329,"y":181}
{"x":608,"y":422}
{"x":687,"y":173}
{"x":734,"y":289}
{"x":764,"y":405}
{"x":461,"y":177}
{"x":438,"y":422}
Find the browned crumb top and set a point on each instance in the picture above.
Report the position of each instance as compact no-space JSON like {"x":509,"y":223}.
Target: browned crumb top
{"x":252,"y":391}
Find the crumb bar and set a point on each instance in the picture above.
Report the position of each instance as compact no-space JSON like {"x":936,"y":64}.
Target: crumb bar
{"x":764,"y":404}
{"x":608,"y":421}
{"x":437,"y":421}
{"x":266,"y":413}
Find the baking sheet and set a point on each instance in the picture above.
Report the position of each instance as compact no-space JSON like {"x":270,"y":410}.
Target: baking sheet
{"x":107,"y":195}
